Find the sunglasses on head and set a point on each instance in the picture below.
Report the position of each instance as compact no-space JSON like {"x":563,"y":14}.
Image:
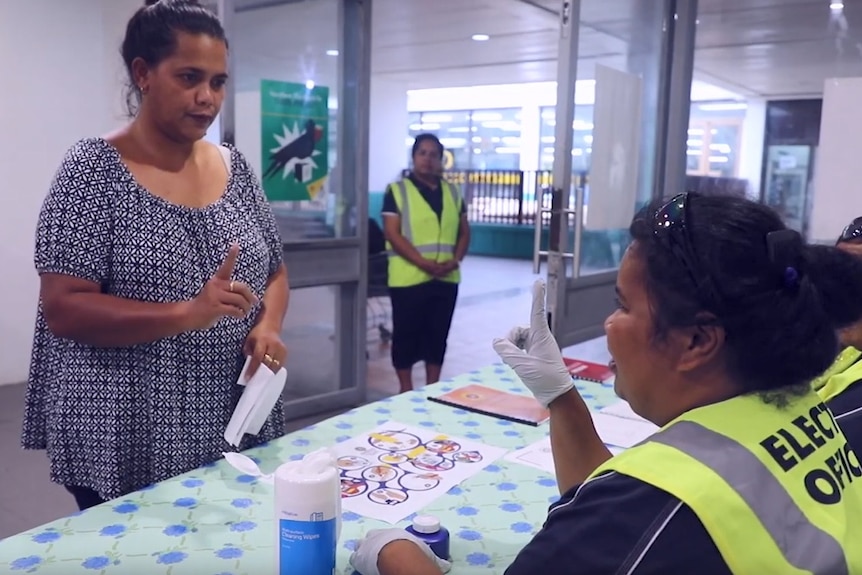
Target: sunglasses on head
{"x":853,"y":232}
{"x":671,"y":227}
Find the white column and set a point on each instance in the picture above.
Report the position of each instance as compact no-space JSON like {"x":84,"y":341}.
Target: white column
{"x":836,"y":197}
{"x":387,"y":154}
{"x":751,"y":146}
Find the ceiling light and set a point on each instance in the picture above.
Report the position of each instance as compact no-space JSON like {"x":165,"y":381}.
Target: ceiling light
{"x":480,"y":37}
{"x":836,"y":6}
{"x":309,"y":84}
{"x":332,"y":52}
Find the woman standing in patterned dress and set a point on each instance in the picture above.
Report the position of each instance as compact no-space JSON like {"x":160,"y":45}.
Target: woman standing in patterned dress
{"x":161,"y":269}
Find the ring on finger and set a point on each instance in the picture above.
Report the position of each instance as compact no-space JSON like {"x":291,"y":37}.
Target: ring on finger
{"x":230,"y":287}
{"x":270,"y":360}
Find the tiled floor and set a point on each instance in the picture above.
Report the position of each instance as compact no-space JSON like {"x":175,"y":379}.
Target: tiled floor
{"x":494,"y":295}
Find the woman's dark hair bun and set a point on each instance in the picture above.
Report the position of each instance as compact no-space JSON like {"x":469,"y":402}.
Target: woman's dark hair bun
{"x":837,"y":276}
{"x":780,"y":301}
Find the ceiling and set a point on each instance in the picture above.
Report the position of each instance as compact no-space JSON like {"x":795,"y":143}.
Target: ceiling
{"x":767,"y":48}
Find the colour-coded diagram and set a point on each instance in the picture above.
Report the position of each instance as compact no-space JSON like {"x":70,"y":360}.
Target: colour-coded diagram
{"x":396,"y":470}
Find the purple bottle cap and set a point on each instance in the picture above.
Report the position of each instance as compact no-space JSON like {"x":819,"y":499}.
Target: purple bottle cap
{"x":426,"y":524}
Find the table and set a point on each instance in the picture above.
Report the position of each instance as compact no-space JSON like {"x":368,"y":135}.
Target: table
{"x":215,"y":521}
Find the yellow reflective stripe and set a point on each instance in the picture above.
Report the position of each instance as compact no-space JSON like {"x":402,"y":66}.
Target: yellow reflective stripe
{"x":803,"y":544}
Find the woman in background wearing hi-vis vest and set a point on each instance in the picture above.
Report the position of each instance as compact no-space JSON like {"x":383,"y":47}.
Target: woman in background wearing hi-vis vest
{"x":427,"y":234}
{"x":841,"y":386}
{"x":724,"y":319}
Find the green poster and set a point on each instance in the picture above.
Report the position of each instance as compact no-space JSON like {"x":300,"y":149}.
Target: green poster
{"x":294,"y":128}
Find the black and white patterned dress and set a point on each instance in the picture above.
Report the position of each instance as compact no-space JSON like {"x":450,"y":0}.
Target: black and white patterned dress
{"x":118,"y":419}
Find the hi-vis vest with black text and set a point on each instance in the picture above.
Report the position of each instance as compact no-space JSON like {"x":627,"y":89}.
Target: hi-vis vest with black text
{"x":433,"y":237}
{"x":778,"y":488}
{"x":844,"y":372}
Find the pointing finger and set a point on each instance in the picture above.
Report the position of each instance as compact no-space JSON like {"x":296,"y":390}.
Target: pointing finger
{"x":225,"y":270}
{"x":538,"y":317}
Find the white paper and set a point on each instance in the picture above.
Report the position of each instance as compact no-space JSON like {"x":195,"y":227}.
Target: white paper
{"x":396,"y":470}
{"x":539,"y":456}
{"x":622,"y":409}
{"x":617,"y":425}
{"x":621,"y":431}
{"x":256,"y":403}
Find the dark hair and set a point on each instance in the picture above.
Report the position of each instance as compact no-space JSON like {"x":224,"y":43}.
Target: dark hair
{"x":780,"y":329}
{"x":151,"y":34}
{"x":426,"y":138}
{"x":854,"y":228}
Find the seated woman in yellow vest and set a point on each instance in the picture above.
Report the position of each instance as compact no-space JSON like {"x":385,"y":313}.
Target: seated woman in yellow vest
{"x":425,"y":223}
{"x":724,"y":318}
{"x":841,"y":386}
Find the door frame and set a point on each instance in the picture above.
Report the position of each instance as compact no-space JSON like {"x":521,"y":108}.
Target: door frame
{"x":578,"y":305}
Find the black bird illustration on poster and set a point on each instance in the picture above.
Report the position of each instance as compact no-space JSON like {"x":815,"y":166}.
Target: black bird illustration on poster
{"x":299,"y":149}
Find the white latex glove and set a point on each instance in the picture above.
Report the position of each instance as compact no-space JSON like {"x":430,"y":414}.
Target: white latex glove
{"x":534,"y":354}
{"x":364,"y":557}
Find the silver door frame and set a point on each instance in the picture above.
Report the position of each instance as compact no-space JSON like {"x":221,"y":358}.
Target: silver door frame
{"x":578,"y":305}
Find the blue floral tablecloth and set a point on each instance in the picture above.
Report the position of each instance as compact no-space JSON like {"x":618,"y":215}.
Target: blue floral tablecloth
{"x":214,"y":521}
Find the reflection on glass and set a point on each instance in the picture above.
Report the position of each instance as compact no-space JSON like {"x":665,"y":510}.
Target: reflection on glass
{"x":309,"y":334}
{"x":307,"y":59}
{"x":581,"y":142}
{"x":632,"y":49}
{"x":714,"y":139}
{"x":496,"y":139}
{"x":476,"y":140}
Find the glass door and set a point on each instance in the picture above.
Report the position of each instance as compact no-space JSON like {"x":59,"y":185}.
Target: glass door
{"x":611,"y":151}
{"x":299,"y":113}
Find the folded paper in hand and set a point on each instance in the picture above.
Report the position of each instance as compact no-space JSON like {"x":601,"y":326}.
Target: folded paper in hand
{"x":258,"y":399}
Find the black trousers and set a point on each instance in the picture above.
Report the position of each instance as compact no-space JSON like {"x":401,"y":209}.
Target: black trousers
{"x":84,"y":496}
{"x":421,"y":318}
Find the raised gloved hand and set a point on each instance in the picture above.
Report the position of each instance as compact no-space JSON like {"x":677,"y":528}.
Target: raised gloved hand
{"x":534,"y":354}
{"x":365,"y":556}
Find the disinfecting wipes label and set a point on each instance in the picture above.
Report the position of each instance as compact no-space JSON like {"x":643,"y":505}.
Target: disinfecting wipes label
{"x":307,"y":547}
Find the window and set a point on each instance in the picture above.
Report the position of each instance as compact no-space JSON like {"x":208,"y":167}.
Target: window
{"x":476,"y":139}
{"x":714,"y":139}
{"x":582,"y":138}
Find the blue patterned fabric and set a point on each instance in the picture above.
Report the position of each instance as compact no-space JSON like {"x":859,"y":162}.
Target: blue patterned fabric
{"x":117,"y":419}
{"x":214,"y":520}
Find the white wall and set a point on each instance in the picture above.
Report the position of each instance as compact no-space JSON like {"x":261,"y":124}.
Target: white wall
{"x":751,"y":148}
{"x":247,"y":127}
{"x":60,"y":60}
{"x":837,"y":199}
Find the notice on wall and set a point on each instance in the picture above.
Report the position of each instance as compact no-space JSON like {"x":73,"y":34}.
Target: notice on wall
{"x":294,"y":127}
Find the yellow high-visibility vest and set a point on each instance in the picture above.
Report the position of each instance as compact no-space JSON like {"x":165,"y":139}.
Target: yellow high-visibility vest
{"x":844,"y":372}
{"x":435,"y":238}
{"x":778,"y":488}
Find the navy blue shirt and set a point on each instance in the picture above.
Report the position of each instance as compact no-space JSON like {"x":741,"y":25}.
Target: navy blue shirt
{"x":847,"y":409}
{"x":617,"y":525}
